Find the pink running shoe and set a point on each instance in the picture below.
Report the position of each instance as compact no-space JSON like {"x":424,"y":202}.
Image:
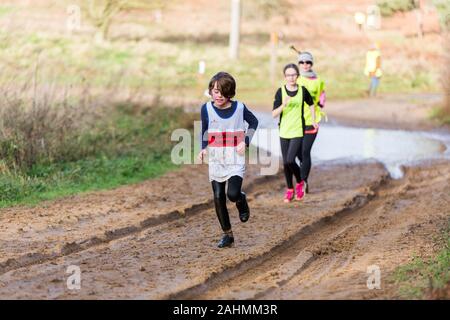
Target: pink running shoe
{"x":299,"y":193}
{"x":289,"y":195}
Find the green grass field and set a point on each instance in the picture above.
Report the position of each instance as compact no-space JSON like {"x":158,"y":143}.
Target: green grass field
{"x":165,"y":63}
{"x":132,"y":145}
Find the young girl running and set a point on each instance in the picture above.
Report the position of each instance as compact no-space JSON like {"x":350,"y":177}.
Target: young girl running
{"x":309,"y":79}
{"x":288,"y":104}
{"x":224,"y":140}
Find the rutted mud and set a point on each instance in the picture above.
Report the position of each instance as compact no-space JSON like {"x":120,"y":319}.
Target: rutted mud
{"x":332,"y":262}
{"x":77,"y":223}
{"x":284,"y":251}
{"x":319,"y":247}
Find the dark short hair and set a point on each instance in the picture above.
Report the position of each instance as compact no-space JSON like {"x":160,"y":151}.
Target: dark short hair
{"x":289,"y":66}
{"x":225,"y":83}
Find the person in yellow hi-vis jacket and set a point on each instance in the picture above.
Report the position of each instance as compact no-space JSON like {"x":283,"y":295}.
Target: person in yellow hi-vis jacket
{"x":316,"y":87}
{"x":372,"y":68}
{"x":289,"y":104}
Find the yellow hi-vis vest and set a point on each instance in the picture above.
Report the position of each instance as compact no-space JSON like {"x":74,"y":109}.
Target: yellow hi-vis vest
{"x":315,"y":86}
{"x":291,"y":124}
{"x":371,"y":63}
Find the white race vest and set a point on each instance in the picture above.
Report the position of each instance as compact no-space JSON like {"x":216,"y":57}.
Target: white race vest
{"x":223,"y":137}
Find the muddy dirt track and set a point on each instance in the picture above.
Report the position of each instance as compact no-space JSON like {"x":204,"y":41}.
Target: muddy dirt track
{"x":157,"y":239}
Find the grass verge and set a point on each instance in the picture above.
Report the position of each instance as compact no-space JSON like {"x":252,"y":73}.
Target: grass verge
{"x":139,"y":149}
{"x":423,"y":278}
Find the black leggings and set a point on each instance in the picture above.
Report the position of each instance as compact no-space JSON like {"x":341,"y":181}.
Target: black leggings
{"x":304,"y":155}
{"x":290,"y":148}
{"x":234,"y":193}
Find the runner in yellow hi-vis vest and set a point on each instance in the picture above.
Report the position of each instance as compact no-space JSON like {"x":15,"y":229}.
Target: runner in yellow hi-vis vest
{"x":372,"y":68}
{"x":316,"y":87}
{"x":289,"y":105}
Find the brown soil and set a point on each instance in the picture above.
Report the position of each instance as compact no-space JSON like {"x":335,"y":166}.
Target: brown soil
{"x":387,"y":111}
{"x":394,"y":111}
{"x":157,"y":239}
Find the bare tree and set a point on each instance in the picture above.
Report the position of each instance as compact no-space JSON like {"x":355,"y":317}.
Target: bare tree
{"x":271,"y":8}
{"x":102,"y":12}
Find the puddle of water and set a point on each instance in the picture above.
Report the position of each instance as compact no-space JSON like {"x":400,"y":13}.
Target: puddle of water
{"x":393,"y":148}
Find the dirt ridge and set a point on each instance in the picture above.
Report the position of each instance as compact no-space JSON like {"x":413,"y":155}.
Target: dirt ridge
{"x":33,"y":258}
{"x":355,"y":203}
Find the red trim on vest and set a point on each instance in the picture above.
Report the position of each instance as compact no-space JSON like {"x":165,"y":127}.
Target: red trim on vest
{"x":225,"y":139}
{"x":312,"y":131}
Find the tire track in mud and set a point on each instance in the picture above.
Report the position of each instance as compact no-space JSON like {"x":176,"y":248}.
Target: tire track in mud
{"x":30,"y":259}
{"x":332,"y":258}
{"x":166,"y":259}
{"x":275,"y":269}
{"x":297,"y":261}
{"x":313,"y":257}
{"x":34,"y":258}
{"x":326,"y":256}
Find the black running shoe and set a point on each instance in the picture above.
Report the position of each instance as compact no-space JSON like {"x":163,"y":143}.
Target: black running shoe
{"x":226,"y":241}
{"x":244,"y":210}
